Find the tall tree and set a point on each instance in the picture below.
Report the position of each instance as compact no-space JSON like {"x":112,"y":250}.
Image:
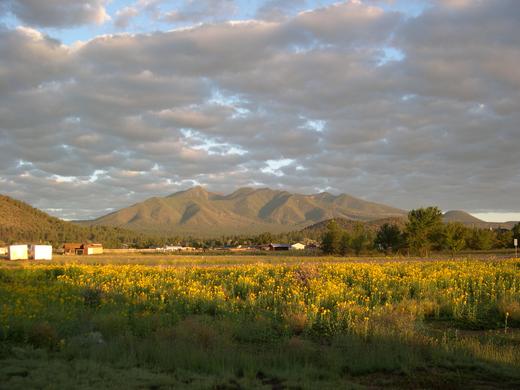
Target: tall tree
{"x":516,"y":231}
{"x":503,"y":238}
{"x":422,"y":228}
{"x":360,"y":238}
{"x":389,"y":238}
{"x":330,"y":242}
{"x":344,"y":243}
{"x":454,"y":237}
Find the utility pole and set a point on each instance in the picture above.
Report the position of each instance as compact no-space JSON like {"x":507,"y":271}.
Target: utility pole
{"x":515,"y":241}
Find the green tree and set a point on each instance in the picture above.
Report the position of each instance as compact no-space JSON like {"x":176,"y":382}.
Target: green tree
{"x":360,"y":238}
{"x":516,"y":231}
{"x":454,"y":237}
{"x":344,"y":243}
{"x":330,"y":242}
{"x":481,"y":239}
{"x":422,"y":229}
{"x":389,"y":238}
{"x":503,"y":238}
{"x":264,"y":238}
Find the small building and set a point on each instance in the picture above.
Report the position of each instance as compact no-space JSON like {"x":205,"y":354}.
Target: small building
{"x":72,"y":248}
{"x":298,"y":246}
{"x":75,"y":248}
{"x":40,"y":252}
{"x":4,"y":250}
{"x":18,"y":252}
{"x":279,"y":247}
{"x":92,"y":249}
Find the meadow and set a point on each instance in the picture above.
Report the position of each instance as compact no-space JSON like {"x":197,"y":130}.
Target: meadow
{"x":274,"y":323}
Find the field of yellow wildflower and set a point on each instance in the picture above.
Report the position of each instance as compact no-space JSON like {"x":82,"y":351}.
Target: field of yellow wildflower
{"x":395,"y":324}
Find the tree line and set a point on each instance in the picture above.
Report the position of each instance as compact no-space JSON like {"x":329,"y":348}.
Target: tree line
{"x":424,"y":232}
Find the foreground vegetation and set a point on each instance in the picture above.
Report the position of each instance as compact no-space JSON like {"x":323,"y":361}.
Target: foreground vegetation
{"x":450,"y":324}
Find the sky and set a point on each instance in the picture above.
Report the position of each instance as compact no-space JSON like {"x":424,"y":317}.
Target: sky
{"x":408,"y":103}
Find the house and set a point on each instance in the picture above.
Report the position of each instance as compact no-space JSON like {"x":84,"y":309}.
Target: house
{"x":298,"y":246}
{"x":72,"y":248}
{"x":18,"y":252}
{"x":279,"y":247}
{"x":40,"y":252}
{"x":92,"y":249}
{"x":75,"y":248}
{"x":4,"y":250}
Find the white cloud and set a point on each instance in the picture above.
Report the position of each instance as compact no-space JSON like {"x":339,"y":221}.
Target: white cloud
{"x":220,"y":103}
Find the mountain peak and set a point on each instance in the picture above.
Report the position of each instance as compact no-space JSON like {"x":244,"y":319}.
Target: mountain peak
{"x":194,"y":192}
{"x":241,"y":193}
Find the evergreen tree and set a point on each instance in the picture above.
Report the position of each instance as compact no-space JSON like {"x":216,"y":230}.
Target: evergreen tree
{"x":389,"y":238}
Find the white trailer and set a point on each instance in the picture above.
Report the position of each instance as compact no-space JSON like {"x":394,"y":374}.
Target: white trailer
{"x":18,"y":252}
{"x":41,"y":252}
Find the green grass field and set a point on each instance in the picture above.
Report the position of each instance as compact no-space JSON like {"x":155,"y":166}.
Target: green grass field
{"x":266,"y":322}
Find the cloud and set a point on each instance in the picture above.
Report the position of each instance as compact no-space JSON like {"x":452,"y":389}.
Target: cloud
{"x":124,"y":16}
{"x":457,"y":3}
{"x":127,"y":116}
{"x":59,"y":13}
{"x":201,"y":10}
{"x":279,"y":9}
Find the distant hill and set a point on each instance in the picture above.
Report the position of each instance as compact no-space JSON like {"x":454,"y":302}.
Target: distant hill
{"x":462,"y":217}
{"x":20,"y":222}
{"x":246,"y":211}
{"x":471,"y":221}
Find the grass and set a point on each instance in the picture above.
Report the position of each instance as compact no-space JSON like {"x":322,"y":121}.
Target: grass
{"x":284,"y":325}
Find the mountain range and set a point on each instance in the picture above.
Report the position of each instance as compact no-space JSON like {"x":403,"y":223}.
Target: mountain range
{"x":200,"y":213}
{"x":246,"y":211}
